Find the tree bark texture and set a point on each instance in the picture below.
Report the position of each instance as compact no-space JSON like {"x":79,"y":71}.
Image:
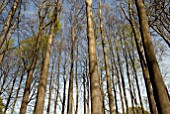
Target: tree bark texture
{"x":160,"y":93}
{"x":96,"y":102}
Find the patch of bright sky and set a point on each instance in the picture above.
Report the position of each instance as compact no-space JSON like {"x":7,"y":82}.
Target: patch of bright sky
{"x":31,"y":9}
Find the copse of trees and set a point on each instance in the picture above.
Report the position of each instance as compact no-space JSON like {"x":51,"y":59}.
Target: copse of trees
{"x":91,"y":57}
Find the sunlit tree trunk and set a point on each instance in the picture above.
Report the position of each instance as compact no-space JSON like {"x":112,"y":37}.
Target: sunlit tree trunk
{"x":8,"y":22}
{"x":96,"y":102}
{"x":123,"y":45}
{"x":117,"y":74}
{"x":51,"y":82}
{"x":160,"y":93}
{"x":142,"y":62}
{"x":3,"y":5}
{"x":88,"y":96}
{"x":114,"y":88}
{"x":2,"y":55}
{"x":102,"y":89}
{"x":32,"y":66}
{"x":44,"y":72}
{"x":121,"y":73}
{"x":109,"y":88}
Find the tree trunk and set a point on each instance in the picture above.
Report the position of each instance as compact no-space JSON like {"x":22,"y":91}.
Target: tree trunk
{"x":114,"y":88}
{"x":160,"y":93}
{"x":18,"y":89}
{"x":51,"y":82}
{"x":84,"y":86}
{"x":127,"y":69}
{"x":2,"y":55}
{"x":109,"y":88}
{"x":117,"y":74}
{"x":3,"y":5}
{"x":31,"y":71}
{"x":44,"y":72}
{"x":96,"y":102}
{"x":142,"y":62}
{"x":11,"y":90}
{"x":8,"y":22}
{"x":76,"y":76}
{"x":70,"y":91}
{"x":121,"y":73}
{"x":58,"y":78}
{"x":64,"y":89}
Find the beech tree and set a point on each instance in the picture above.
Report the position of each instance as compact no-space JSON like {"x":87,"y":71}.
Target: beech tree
{"x":84,"y":57}
{"x":94,"y":77}
{"x":160,"y":94}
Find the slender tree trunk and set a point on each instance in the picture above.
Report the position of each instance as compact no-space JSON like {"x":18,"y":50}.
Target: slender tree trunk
{"x":102,"y":90}
{"x":58,"y":78}
{"x":121,"y":73}
{"x":136,"y":77}
{"x":96,"y":102}
{"x":64,"y":89}
{"x":142,"y":61}
{"x":3,"y":6}
{"x":70,"y":91}
{"x":127,"y":70}
{"x":51,"y":82}
{"x":76,"y":76}
{"x":8,"y":22}
{"x":2,"y":55}
{"x":160,"y":93}
{"x":114,"y":88}
{"x":11,"y":91}
{"x":31,"y":71}
{"x":84,"y":86}
{"x":88,"y":96}
{"x":117,"y":74}
{"x":109,"y":88}
{"x":17,"y":93}
{"x":5,"y":73}
{"x":44,"y":72}
{"x":33,"y":64}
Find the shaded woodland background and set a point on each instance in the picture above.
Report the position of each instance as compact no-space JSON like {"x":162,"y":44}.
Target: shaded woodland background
{"x":84,"y":56}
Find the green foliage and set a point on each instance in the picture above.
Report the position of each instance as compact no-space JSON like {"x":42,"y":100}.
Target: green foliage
{"x":10,"y":44}
{"x":58,"y":26}
{"x":1,"y":105}
{"x":27,"y":47}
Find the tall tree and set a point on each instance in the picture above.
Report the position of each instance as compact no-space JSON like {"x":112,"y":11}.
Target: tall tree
{"x":31,"y":69}
{"x":109,"y":88}
{"x":160,"y":93}
{"x":64,"y":88}
{"x":58,"y":77}
{"x":76,"y":78}
{"x":18,"y":89}
{"x":70,"y":91}
{"x":96,"y":102}
{"x":142,"y":61}
{"x":44,"y":72}
{"x":51,"y":81}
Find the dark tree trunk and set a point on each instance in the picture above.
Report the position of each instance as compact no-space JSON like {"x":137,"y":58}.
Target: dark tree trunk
{"x":160,"y":93}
